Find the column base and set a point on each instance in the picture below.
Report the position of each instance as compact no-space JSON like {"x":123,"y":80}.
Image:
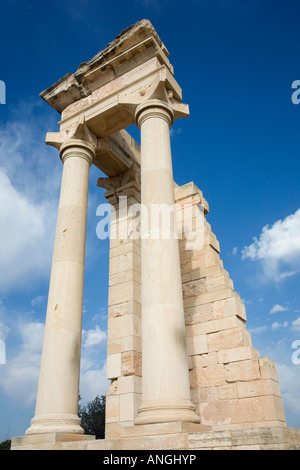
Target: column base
{"x":55,"y":423}
{"x":158,"y":411}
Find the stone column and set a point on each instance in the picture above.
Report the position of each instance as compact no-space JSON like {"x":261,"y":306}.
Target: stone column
{"x":58,"y":391}
{"x":165,"y":383}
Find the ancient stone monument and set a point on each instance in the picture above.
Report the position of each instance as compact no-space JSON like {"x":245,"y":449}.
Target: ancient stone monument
{"x":183,"y":372}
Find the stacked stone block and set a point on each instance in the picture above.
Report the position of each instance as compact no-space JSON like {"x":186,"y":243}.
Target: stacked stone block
{"x":124,"y":361}
{"x":231,"y":385}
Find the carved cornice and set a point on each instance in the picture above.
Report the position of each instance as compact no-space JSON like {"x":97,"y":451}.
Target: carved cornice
{"x":140,"y":41}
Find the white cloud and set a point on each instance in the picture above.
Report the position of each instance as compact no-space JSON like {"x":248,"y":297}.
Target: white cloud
{"x":296,"y":324}
{"x":19,"y":377}
{"x":29,"y":189}
{"x":174,"y":132}
{"x":26,"y":236}
{"x":277,"y":248}
{"x":93,"y":382}
{"x":93,"y":379}
{"x":277,"y":325}
{"x":278,"y":308}
{"x":234,"y":251}
{"x":94,"y":337}
{"x":289,"y":379}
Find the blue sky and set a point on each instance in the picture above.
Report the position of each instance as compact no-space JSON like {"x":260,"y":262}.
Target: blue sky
{"x":236,"y":61}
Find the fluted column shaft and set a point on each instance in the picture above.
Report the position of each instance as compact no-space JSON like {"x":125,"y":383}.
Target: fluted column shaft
{"x":58,"y":391}
{"x":165,"y":383}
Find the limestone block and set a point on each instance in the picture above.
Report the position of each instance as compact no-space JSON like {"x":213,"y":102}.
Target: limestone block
{"x":122,"y":292}
{"x":211,"y":239}
{"x":131,"y":343}
{"x":210,"y":376}
{"x":133,"y":275}
{"x":234,"y":306}
{"x":268,"y":368}
{"x":113,"y":265}
{"x":210,"y":440}
{"x":122,"y":326}
{"x":218,"y":281}
{"x":196,"y":345}
{"x":208,"y":271}
{"x":117,"y":278}
{"x":113,"y":366}
{"x":273,"y":408}
{"x":113,"y":388}
{"x":199,"y":313}
{"x":255,"y":388}
{"x":242,"y":371}
{"x":186,"y":277}
{"x":133,"y":246}
{"x":213,"y":326}
{"x":129,"y":384}
{"x":247,"y":410}
{"x":193,"y":288}
{"x":208,"y":394}
{"x":132,"y":363}
{"x":216,"y":413}
{"x":129,"y":403}
{"x":118,"y":310}
{"x":211,"y":256}
{"x":237,"y":354}
{"x":227,"y":391}
{"x":112,"y":409}
{"x":129,"y":260}
{"x":186,"y":190}
{"x":117,"y":251}
{"x":227,"y":339}
{"x":130,"y":307}
{"x":205,"y":360}
{"x":114,"y":346}
{"x":191,"y":263}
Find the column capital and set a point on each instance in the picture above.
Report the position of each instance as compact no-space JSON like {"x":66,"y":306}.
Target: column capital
{"x":77,"y":141}
{"x":77,"y":148}
{"x":162,"y":94}
{"x":154,"y":108}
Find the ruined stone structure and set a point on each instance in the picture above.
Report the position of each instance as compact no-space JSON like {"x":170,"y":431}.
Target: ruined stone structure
{"x":183,"y":371}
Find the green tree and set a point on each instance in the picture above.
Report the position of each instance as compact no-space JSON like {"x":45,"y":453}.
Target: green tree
{"x":5,"y":445}
{"x":93,"y":417}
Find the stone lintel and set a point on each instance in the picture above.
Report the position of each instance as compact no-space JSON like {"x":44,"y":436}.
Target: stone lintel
{"x":111,"y":107}
{"x":139,"y":41}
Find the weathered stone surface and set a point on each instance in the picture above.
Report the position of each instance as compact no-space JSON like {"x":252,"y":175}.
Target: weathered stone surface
{"x":247,"y":438}
{"x":242,"y":371}
{"x":131,"y":363}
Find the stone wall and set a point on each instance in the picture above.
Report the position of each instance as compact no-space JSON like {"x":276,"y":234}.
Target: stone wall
{"x":231,"y":385}
{"x":124,"y":346}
